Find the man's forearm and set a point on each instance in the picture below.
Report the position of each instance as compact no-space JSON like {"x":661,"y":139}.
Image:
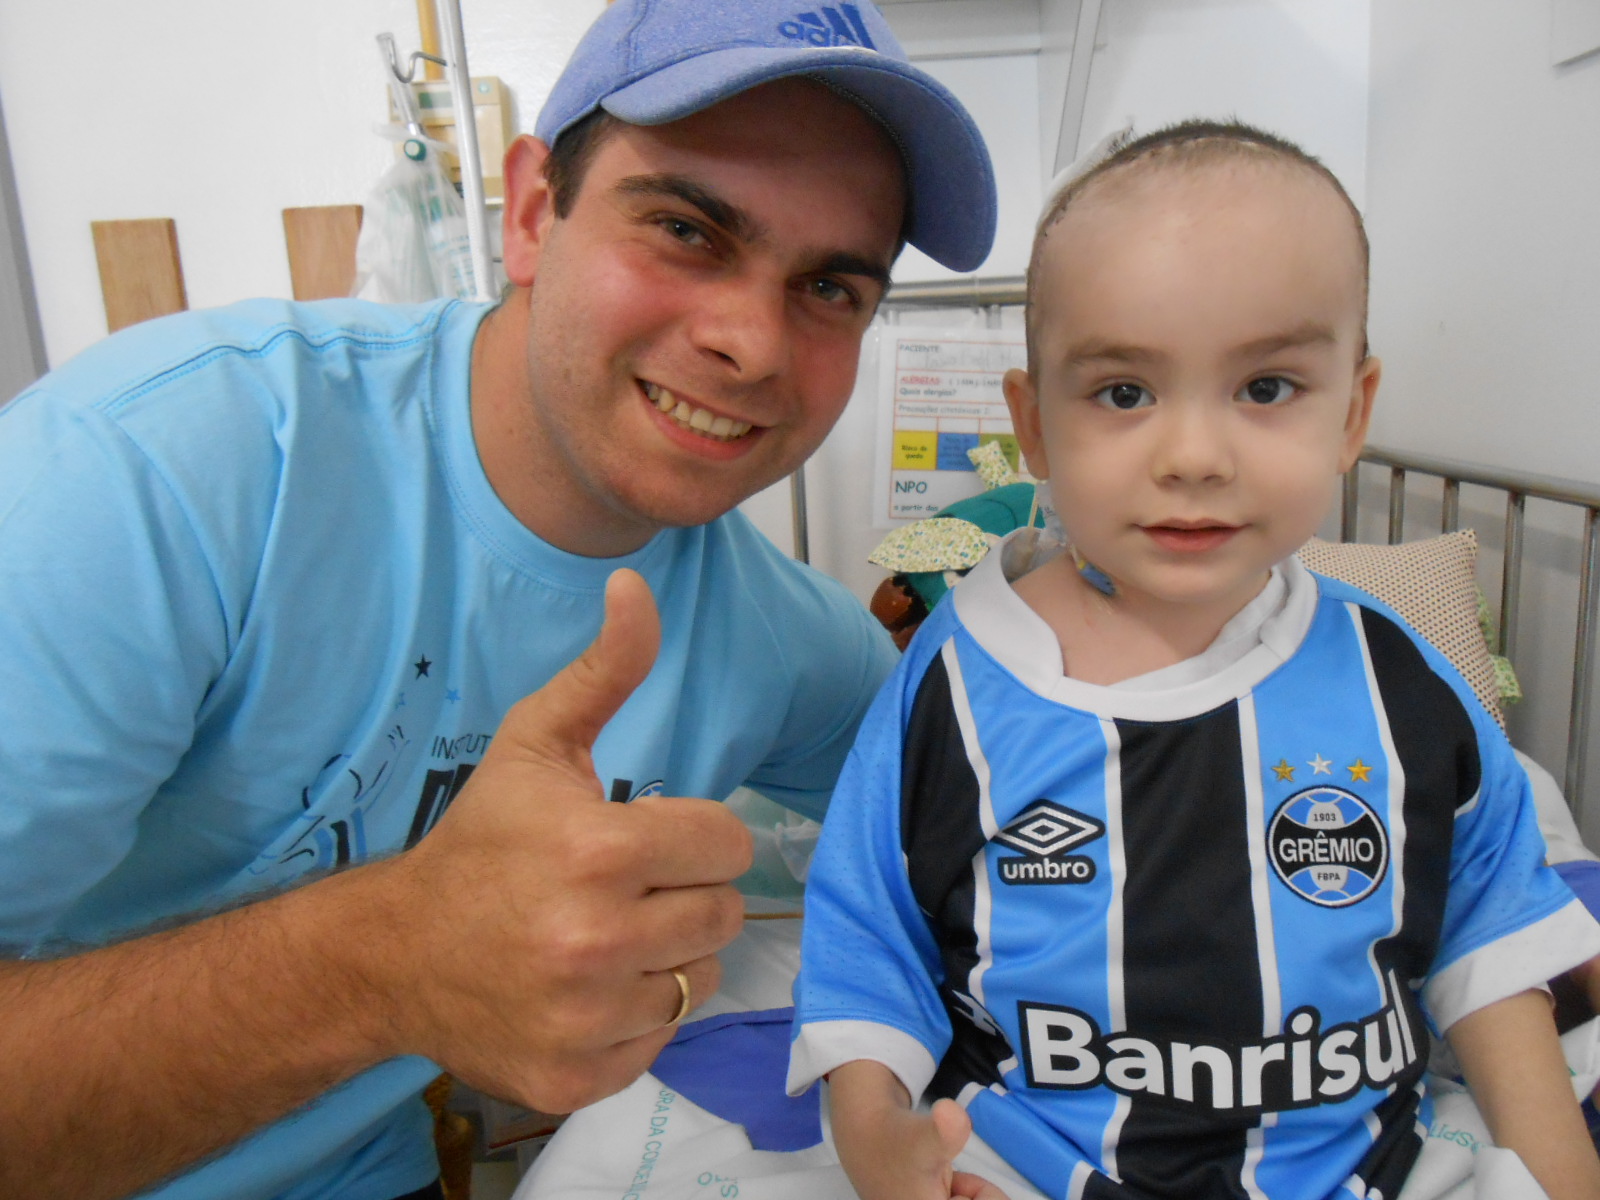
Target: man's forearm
{"x":124,"y":1065}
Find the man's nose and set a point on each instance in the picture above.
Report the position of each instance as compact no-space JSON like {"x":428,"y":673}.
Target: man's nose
{"x":743,"y":322}
{"x":1194,"y":444}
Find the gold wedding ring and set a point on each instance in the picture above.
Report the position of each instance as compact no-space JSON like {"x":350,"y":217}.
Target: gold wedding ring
{"x":683,"y":988}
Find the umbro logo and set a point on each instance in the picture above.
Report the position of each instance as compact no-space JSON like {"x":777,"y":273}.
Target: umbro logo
{"x":829,"y":25}
{"x":1048,"y":828}
{"x":1045,"y":833}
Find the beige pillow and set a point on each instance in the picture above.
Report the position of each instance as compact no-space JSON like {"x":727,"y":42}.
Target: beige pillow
{"x":1433,"y":585}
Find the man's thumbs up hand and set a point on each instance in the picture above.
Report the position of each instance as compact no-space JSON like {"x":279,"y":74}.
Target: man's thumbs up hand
{"x":534,"y":932}
{"x":557,"y":725}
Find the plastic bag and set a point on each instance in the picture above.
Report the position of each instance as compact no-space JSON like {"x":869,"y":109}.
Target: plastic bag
{"x":413,"y":244}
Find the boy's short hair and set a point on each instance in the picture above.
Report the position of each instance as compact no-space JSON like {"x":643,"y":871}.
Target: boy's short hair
{"x":1186,"y":145}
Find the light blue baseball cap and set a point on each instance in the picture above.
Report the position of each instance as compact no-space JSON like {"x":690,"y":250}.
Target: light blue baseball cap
{"x":647,"y":62}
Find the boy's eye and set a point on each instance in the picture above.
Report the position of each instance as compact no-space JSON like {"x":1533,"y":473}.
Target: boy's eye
{"x":1273,"y":389}
{"x":1124,"y":396}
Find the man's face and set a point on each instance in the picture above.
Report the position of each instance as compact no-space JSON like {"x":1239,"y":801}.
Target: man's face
{"x":695,"y":321}
{"x":1200,"y":381}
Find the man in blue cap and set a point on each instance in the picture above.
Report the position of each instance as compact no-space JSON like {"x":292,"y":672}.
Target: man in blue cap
{"x":275,"y":575}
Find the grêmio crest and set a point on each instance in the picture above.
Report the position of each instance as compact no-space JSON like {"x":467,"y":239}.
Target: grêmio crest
{"x":1328,"y":846}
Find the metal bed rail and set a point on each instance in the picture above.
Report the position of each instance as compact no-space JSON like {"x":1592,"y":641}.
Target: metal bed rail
{"x":1518,"y":487}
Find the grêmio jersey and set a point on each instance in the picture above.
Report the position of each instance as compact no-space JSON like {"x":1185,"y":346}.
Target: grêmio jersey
{"x":1185,"y":942}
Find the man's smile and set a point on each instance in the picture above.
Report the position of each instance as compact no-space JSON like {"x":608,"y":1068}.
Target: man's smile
{"x":691,"y":417}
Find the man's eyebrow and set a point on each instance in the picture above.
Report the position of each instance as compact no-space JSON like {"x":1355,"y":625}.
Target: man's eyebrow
{"x":842,"y":262}
{"x":680,"y":187}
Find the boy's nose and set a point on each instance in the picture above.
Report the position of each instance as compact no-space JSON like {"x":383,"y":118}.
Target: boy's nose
{"x":1193,"y":445}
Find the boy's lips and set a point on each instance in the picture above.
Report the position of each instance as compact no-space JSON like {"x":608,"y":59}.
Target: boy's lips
{"x":1190,"y":538}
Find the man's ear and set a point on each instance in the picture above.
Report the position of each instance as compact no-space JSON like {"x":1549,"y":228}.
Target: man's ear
{"x":1359,"y":416}
{"x":530,"y":208}
{"x":1023,"y":401}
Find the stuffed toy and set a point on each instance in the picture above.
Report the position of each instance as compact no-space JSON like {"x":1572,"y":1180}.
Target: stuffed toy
{"x":928,"y":556}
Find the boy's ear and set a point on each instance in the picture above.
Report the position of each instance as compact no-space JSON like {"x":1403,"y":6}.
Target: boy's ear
{"x":1023,"y":401}
{"x":529,"y":209}
{"x":1362,"y":394}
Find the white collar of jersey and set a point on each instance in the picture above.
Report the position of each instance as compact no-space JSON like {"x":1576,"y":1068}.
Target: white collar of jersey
{"x":1237,"y":638}
{"x":1263,"y":636}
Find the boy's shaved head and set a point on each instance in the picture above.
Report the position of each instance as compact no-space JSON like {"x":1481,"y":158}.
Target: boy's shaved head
{"x":1182,"y":148}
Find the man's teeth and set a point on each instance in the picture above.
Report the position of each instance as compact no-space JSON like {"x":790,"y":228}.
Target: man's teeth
{"x":724,"y":429}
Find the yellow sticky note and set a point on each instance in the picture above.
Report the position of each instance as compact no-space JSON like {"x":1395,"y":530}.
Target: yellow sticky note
{"x":916,"y":450}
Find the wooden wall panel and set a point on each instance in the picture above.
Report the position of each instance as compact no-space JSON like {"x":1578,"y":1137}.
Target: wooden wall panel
{"x":140,"y":275}
{"x":322,"y":249}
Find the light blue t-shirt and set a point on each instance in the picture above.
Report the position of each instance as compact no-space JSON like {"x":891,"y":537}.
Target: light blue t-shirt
{"x":262,"y":612}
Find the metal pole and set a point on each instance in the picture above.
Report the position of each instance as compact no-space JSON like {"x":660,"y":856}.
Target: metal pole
{"x":1583,"y":662}
{"x":956,"y":293}
{"x":797,"y":507}
{"x":1397,"y":504}
{"x":1077,"y":97}
{"x":1351,"y":506}
{"x":1511,"y":572}
{"x":455,"y":50}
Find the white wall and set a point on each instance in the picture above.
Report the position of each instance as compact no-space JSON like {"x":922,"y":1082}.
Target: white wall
{"x":220,"y":116}
{"x":1295,"y":67}
{"x":1483,"y":174}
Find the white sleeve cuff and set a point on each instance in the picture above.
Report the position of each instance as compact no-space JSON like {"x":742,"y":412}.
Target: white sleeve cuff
{"x":1528,"y":958}
{"x":823,"y":1045}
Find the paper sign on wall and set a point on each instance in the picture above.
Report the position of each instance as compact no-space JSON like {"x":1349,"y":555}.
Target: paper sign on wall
{"x":938,"y":397}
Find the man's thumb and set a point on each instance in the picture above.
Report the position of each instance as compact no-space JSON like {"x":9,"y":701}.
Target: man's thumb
{"x":563,"y":718}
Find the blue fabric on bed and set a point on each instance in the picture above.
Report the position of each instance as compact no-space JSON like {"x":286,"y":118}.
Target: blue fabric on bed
{"x":1583,"y":877}
{"x":734,"y":1066}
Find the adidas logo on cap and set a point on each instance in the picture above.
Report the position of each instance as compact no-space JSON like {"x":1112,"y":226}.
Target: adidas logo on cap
{"x":829,"y":26}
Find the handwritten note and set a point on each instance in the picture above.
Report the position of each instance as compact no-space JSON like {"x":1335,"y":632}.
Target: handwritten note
{"x":938,"y":397}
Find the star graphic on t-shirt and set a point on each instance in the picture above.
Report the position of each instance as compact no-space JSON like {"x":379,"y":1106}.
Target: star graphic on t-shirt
{"x":452,"y":695}
{"x":422,"y":664}
{"x":1320,"y":765}
{"x":1359,"y":772}
{"x":1283,"y":770}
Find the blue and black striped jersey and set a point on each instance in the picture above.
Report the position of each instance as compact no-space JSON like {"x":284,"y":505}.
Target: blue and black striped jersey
{"x":1181,"y":943}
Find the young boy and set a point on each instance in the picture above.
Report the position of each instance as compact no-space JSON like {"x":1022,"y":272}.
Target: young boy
{"x":1160,"y":860}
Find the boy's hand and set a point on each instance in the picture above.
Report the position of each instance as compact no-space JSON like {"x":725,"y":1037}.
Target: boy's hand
{"x":890,"y":1151}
